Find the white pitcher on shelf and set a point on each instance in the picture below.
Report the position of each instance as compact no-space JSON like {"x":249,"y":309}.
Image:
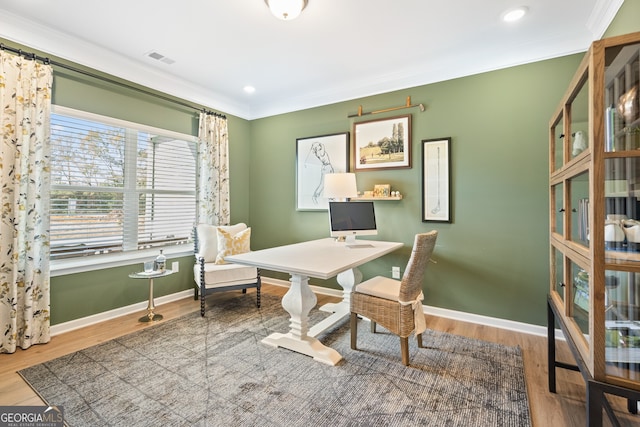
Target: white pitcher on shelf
{"x":580,"y":143}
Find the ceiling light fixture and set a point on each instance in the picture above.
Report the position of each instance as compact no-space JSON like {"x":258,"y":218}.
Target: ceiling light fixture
{"x":516,"y":14}
{"x":286,"y":10}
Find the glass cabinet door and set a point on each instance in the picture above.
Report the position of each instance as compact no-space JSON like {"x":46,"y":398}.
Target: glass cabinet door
{"x":558,"y":208}
{"x":622,"y":209}
{"x":579,"y":137}
{"x":579,"y":188}
{"x":558,"y":145}
{"x":557,"y":272}
{"x":580,"y":297}
{"x":622,"y":324}
{"x":622,"y":118}
{"x":622,"y":215}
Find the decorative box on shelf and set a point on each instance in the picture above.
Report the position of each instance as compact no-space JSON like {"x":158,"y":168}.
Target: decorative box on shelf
{"x":378,"y":195}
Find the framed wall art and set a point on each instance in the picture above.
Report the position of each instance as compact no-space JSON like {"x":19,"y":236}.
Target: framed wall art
{"x":382,"y":144}
{"x":436,"y":180}
{"x":317,"y":156}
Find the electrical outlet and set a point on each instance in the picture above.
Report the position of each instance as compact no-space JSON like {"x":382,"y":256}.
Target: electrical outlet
{"x":395,"y":272}
{"x":175,"y":266}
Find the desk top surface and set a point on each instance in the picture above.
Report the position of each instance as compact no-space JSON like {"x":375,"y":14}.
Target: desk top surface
{"x":322,"y":259}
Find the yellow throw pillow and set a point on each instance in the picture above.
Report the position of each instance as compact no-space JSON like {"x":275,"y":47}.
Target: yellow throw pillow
{"x":232,"y":244}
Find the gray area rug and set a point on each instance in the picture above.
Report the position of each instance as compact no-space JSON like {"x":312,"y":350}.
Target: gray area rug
{"x":214,"y":371}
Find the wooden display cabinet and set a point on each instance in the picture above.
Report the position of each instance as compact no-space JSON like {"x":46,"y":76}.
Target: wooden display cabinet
{"x":594,"y":198}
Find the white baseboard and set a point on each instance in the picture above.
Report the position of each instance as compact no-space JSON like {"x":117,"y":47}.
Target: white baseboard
{"x":116,"y":312}
{"x":511,"y":325}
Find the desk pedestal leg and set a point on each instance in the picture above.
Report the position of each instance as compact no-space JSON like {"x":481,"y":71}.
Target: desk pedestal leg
{"x":151,"y":316}
{"x":347,"y":280}
{"x":298,"y":302}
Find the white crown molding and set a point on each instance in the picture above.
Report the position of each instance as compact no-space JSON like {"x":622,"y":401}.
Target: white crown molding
{"x":601,"y":16}
{"x":390,"y":83}
{"x":37,"y":36}
{"x":55,"y":43}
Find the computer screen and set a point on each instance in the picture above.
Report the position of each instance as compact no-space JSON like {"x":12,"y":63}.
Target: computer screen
{"x":352,"y":219}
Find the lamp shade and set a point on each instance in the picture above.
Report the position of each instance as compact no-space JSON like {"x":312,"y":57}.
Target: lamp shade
{"x":340,"y":185}
{"x":286,"y":9}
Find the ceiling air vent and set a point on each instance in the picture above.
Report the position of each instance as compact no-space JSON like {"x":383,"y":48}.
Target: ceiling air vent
{"x":160,"y":57}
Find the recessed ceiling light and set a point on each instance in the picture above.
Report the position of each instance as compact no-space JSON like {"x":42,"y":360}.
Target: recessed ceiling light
{"x":513,"y":15}
{"x":249,"y":89}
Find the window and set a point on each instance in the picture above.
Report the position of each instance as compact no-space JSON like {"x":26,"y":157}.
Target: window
{"x":118,"y":186}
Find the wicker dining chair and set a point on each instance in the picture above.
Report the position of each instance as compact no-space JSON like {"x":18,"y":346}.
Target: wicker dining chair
{"x":396,"y":304}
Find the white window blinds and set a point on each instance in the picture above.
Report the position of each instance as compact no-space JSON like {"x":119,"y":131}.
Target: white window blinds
{"x":118,"y":186}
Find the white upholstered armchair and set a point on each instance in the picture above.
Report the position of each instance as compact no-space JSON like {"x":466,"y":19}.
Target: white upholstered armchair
{"x":211,"y":272}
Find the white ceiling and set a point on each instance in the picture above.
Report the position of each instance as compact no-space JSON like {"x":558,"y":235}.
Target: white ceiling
{"x":335,"y":51}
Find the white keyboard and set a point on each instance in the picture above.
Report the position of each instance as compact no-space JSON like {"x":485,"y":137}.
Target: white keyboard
{"x":359,"y":245}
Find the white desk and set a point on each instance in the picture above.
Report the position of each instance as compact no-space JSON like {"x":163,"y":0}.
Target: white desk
{"x":322,"y":259}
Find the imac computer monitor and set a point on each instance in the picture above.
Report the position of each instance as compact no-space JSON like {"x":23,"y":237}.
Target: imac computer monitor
{"x":351,"y":219}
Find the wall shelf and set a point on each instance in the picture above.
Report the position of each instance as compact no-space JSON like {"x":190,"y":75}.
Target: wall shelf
{"x":377,"y":198}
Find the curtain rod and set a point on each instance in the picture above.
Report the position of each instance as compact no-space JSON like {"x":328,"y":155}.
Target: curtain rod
{"x":46,"y":61}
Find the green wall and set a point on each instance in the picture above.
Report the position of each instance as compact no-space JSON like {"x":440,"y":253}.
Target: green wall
{"x":626,"y":20}
{"x":74,"y":296}
{"x":492,"y":260}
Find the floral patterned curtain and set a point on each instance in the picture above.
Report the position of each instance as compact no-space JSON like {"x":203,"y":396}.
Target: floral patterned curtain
{"x":25,"y":94}
{"x":213,"y":171}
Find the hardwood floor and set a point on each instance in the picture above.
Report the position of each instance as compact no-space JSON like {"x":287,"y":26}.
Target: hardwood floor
{"x":566,"y":408}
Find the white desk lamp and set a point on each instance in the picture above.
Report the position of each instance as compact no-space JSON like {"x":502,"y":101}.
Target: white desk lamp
{"x":340,"y":186}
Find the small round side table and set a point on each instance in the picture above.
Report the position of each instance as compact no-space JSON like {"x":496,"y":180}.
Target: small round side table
{"x":151,"y":316}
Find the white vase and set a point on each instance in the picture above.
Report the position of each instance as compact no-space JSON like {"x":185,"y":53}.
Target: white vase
{"x":613,"y":232}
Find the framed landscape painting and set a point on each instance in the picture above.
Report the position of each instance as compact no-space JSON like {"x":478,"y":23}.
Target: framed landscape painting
{"x":317,"y":156}
{"x":382,"y":144}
